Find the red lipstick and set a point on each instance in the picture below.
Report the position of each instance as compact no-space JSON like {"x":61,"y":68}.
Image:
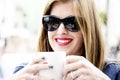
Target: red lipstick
{"x":63,"y":41}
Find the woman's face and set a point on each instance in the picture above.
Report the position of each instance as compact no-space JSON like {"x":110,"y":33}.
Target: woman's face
{"x":62,"y":39}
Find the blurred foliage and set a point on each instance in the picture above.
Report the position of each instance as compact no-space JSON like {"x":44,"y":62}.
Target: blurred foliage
{"x":103,"y":17}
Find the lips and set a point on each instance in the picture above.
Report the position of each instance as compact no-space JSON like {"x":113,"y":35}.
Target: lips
{"x":63,"y":41}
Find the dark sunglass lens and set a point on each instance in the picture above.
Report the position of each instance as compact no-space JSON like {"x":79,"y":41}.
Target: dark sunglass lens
{"x":50,"y":23}
{"x":71,"y":24}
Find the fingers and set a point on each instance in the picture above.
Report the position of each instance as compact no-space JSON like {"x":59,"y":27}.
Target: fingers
{"x":79,"y":68}
{"x":37,"y":64}
{"x":84,"y":78}
{"x":36,"y":68}
{"x":75,"y":63}
{"x":73,"y":75}
{"x":24,"y":76}
{"x":72,"y":59}
{"x":76,"y":66}
{"x":31,"y":71}
{"x":33,"y":77}
{"x":36,"y":60}
{"x":38,"y":77}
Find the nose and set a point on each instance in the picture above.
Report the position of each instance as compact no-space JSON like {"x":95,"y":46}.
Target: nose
{"x":62,"y":29}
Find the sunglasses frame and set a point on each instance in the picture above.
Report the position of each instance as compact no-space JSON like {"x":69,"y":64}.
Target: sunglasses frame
{"x":69,"y":22}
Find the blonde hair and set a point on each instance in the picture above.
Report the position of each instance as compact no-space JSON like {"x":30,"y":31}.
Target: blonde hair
{"x":88,"y":20}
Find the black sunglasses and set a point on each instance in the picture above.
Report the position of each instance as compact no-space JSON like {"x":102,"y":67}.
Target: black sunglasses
{"x":51,"y":23}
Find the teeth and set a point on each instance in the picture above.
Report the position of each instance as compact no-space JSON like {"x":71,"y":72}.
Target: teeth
{"x":63,"y":41}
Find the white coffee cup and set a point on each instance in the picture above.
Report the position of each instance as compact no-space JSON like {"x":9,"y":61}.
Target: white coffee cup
{"x":58,"y":60}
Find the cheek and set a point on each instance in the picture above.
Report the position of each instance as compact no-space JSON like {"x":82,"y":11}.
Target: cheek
{"x":79,"y":36}
{"x":79,"y":39}
{"x":79,"y":42}
{"x":51,"y":37}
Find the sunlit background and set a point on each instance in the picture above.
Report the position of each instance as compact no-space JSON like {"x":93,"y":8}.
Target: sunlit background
{"x":20,"y":27}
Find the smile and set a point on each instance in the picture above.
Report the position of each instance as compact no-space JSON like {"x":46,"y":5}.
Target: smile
{"x":63,"y":41}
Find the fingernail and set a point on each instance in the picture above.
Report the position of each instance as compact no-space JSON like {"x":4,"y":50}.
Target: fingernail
{"x":45,"y":62}
{"x":43,"y":58}
{"x":50,"y":66}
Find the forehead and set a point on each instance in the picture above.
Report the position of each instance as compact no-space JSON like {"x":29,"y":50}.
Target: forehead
{"x":62,"y":9}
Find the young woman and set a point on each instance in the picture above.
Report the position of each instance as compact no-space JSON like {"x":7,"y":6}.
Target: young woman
{"x":72,"y":26}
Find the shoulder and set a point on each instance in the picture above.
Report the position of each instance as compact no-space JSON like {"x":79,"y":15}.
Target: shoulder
{"x":112,"y":69}
{"x":19,"y":67}
{"x":118,"y":76}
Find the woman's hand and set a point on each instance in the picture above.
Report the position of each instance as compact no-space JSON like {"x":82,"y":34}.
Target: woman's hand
{"x":79,"y":68}
{"x":31,"y":71}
